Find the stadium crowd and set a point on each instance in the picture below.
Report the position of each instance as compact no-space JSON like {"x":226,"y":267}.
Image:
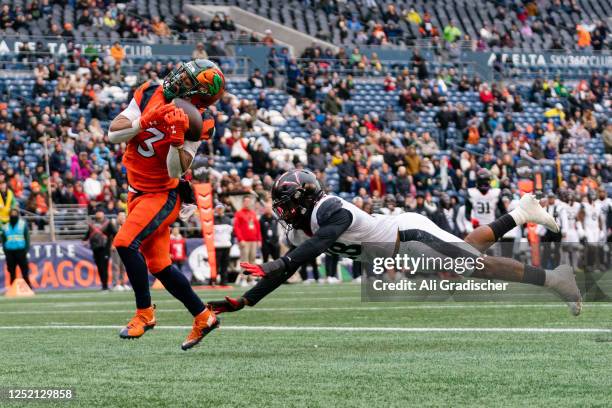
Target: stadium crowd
{"x":362,"y":154}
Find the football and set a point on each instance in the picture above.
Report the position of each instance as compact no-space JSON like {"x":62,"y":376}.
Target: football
{"x":195,"y":119}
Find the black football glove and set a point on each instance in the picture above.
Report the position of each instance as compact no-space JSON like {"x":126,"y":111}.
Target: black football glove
{"x":227,"y":305}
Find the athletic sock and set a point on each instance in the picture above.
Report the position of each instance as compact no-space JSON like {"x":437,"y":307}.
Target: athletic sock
{"x":518,"y":215}
{"x":177,"y":284}
{"x":137,"y":272}
{"x":502,"y":225}
{"x":534,"y":275}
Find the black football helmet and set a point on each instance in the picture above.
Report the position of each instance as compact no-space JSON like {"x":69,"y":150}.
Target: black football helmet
{"x":294,"y":195}
{"x":483,"y":180}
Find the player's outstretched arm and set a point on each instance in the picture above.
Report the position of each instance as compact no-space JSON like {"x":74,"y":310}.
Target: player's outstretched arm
{"x":276,"y":272}
{"x":131,"y":121}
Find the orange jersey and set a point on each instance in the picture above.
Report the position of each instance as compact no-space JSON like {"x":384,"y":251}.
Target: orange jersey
{"x":146,"y":153}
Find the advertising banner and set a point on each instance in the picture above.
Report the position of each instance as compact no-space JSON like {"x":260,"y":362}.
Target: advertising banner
{"x":70,"y":265}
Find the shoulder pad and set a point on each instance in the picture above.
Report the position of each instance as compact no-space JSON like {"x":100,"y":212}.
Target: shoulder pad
{"x":327,"y":209}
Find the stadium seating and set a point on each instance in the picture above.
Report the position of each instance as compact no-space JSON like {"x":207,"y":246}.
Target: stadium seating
{"x":470,"y":17}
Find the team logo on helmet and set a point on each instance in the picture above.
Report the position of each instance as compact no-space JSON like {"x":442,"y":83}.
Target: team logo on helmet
{"x":211,"y":81}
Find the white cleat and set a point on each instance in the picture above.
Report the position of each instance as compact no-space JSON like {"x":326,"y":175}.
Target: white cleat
{"x":530,"y":210}
{"x":562,"y":281}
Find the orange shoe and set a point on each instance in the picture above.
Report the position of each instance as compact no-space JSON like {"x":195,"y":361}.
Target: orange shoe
{"x":203,"y":324}
{"x":143,"y":320}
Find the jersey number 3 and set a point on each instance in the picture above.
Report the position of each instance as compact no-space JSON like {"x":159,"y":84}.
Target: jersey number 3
{"x":148,"y":150}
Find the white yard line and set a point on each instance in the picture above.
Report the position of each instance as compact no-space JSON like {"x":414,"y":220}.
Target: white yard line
{"x":340,"y":329}
{"x":307,"y":309}
{"x":166,"y":299}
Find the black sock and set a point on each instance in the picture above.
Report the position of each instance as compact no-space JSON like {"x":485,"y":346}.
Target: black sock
{"x":137,"y":272}
{"x":177,"y":284}
{"x":502,"y":225}
{"x":534,"y":275}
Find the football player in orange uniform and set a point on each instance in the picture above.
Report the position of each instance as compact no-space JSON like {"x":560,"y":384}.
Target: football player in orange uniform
{"x":157,"y":155}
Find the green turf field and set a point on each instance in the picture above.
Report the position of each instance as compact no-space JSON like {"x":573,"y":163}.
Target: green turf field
{"x":311,"y":346}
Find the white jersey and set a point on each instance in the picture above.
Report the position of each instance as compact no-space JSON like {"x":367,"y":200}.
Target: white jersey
{"x":371,"y":236}
{"x":484,"y":205}
{"x":591,"y":222}
{"x":570,"y":229}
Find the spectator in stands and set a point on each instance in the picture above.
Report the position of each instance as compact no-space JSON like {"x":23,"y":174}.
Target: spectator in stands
{"x":100,"y":236}
{"x":57,"y":161}
{"x":199,"y":52}
{"x":316,"y":159}
{"x":419,"y":63}
{"x":427,"y":145}
{"x":599,"y":35}
{"x":16,"y":244}
{"x":256,"y":80}
{"x":584,"y":36}
{"x":248,"y":234}
{"x":228,"y":23}
{"x":412,"y":16}
{"x":159,"y":27}
{"x":332,"y":103}
{"x":147,"y":37}
{"x":293,"y":110}
{"x":81,"y":166}
{"x":92,"y":186}
{"x":38,"y":203}
{"x":262,"y":101}
{"x":451,"y":32}
{"x":117,"y":53}
{"x":40,"y":88}
{"x":216,"y":24}
{"x":268,"y":39}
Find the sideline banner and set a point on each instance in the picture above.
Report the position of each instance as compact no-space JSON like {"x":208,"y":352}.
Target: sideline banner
{"x":70,"y":265}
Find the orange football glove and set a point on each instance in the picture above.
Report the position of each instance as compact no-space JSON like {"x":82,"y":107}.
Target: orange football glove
{"x":154,"y":116}
{"x":177,"y":122}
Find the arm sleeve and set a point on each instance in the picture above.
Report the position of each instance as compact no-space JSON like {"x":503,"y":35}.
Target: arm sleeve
{"x":173,"y":163}
{"x":132,"y":112}
{"x":173,"y":160}
{"x":336,"y":224}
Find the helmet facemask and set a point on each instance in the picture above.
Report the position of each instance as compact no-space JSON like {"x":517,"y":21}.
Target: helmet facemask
{"x":289,"y":211}
{"x":198,"y":84}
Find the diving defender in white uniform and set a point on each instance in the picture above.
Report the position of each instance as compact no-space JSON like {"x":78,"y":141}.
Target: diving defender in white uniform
{"x":333,"y":225}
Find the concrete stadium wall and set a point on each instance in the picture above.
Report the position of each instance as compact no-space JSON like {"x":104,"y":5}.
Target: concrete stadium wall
{"x":250,"y":22}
